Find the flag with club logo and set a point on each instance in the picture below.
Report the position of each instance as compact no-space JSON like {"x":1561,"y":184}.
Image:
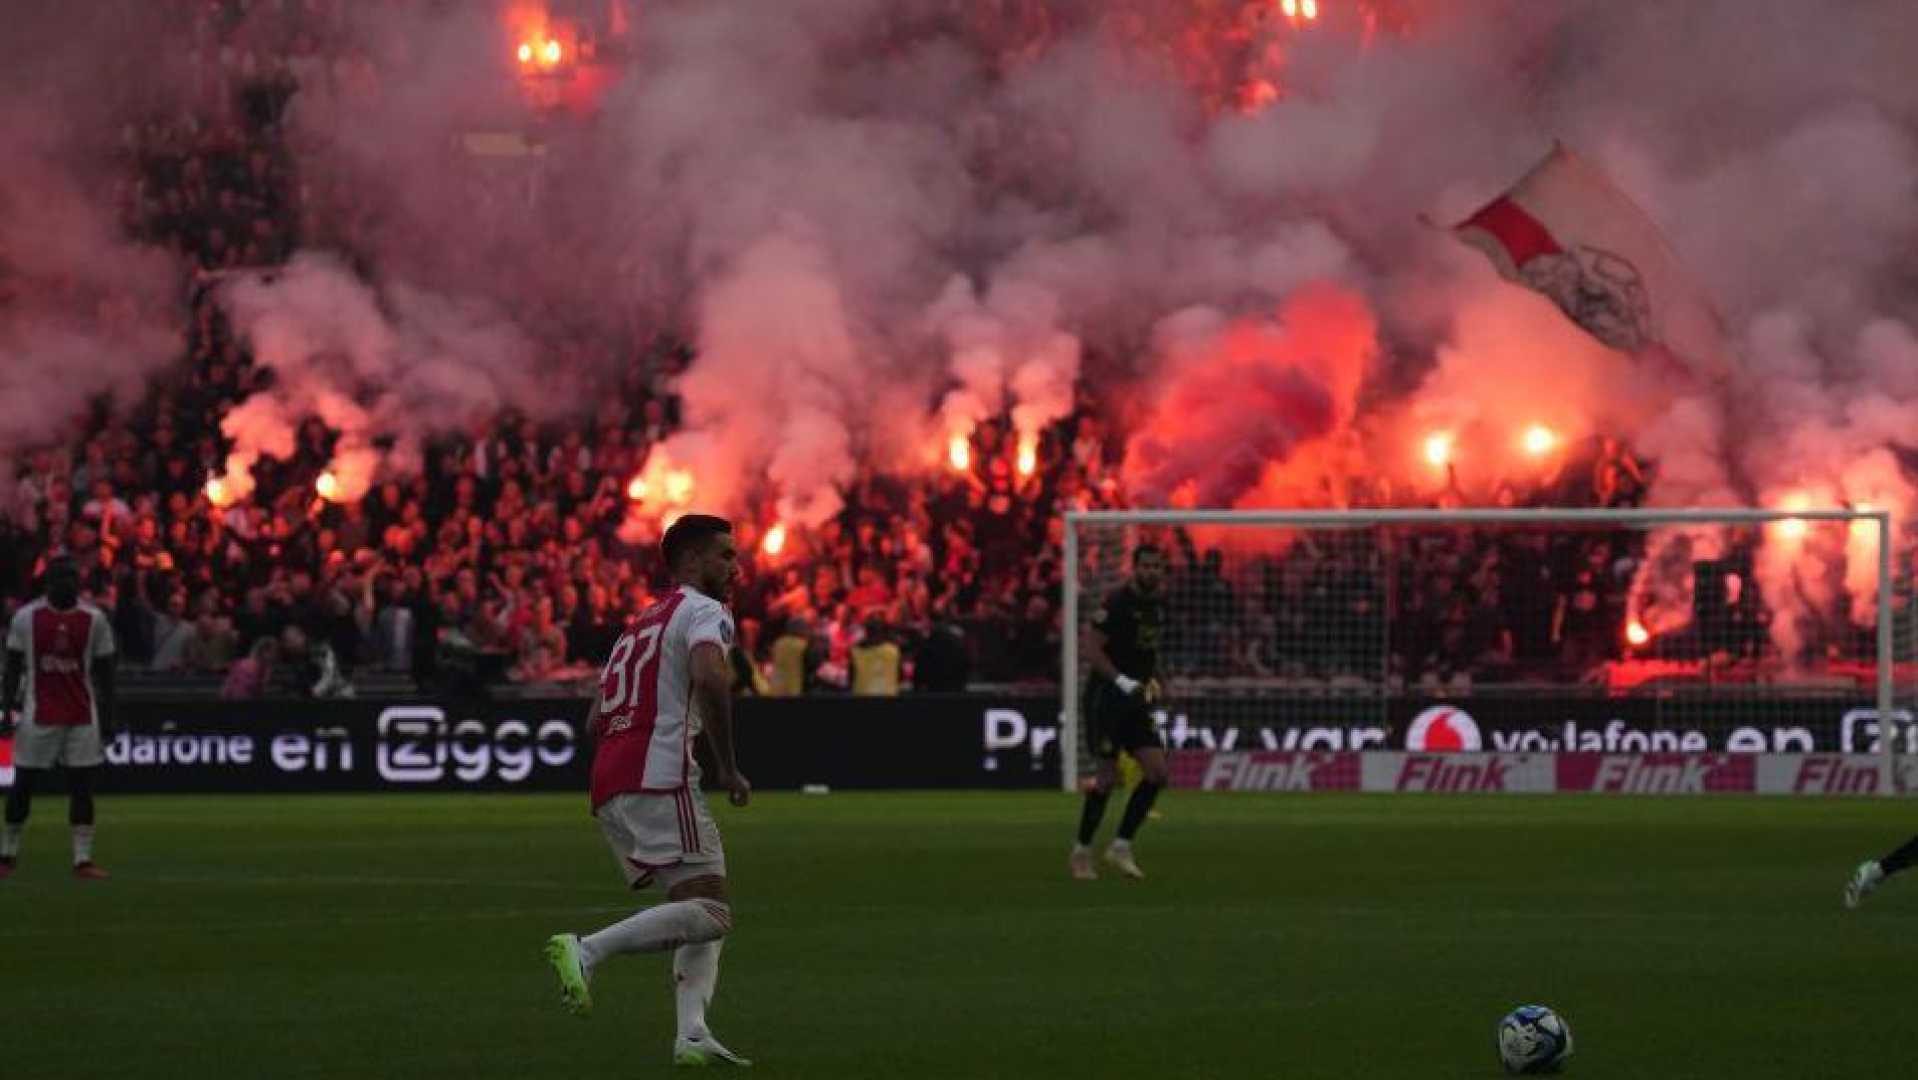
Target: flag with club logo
{"x":1566,"y":232}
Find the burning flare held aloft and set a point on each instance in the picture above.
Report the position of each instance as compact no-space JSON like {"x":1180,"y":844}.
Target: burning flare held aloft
{"x":1539,"y":440}
{"x":547,"y":53}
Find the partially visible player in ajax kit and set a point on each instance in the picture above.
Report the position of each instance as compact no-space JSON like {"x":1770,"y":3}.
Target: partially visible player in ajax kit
{"x":59,"y":684}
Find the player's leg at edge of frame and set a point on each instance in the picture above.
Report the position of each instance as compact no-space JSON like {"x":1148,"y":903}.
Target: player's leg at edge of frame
{"x":1873,"y":873}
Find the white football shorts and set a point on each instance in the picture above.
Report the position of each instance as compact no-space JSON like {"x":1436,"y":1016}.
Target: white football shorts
{"x":666,"y":837}
{"x":37,"y":746}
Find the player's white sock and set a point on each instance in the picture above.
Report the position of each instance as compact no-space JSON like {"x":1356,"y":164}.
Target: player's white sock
{"x":10,"y":840}
{"x":82,"y":844}
{"x":695,"y":974}
{"x":668,"y":926}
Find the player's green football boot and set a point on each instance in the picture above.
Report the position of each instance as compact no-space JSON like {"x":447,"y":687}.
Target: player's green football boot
{"x":562,"y":951}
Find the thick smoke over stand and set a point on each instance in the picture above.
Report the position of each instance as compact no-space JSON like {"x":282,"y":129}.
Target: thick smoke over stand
{"x":845,"y":202}
{"x":390,"y":368}
{"x":1006,"y":352}
{"x":1241,"y":397}
{"x":879,"y":222}
{"x":84,"y":312}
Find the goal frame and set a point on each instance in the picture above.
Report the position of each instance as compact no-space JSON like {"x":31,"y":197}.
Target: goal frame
{"x":1070,"y":722}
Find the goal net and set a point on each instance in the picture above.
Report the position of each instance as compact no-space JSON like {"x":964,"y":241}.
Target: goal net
{"x":1522,"y":631}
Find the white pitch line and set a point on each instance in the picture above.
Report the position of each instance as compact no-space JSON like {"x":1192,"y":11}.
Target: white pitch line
{"x":355,"y":880}
{"x":336,"y":921}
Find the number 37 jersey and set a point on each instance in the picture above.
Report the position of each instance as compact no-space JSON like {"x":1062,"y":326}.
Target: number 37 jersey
{"x":645,"y":719}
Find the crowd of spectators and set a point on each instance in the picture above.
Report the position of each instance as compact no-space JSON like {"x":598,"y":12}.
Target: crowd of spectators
{"x":504,"y":559}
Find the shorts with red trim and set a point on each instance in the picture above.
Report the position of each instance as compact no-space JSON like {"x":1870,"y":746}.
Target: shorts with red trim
{"x":666,"y":836}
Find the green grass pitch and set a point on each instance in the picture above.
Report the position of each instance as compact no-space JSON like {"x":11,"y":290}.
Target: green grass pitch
{"x":935,"y":935}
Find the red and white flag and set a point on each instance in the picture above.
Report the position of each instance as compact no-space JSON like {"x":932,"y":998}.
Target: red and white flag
{"x":1565,"y":231}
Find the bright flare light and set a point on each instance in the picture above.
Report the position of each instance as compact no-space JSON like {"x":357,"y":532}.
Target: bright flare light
{"x":1793,"y":530}
{"x":1539,"y":440}
{"x":216,"y":492}
{"x":550,"y":53}
{"x":525,"y":53}
{"x":328,"y":487}
{"x":636,"y":489}
{"x":959,"y":453}
{"x":775,"y":541}
{"x":1438,"y":449}
{"x":1290,"y":7}
{"x":1636,"y":635}
{"x":1309,"y":8}
{"x":679,"y":487}
{"x":1028,"y":455}
{"x":1863,"y":528}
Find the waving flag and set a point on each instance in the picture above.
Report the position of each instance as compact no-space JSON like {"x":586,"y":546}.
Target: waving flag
{"x":1563,"y":230}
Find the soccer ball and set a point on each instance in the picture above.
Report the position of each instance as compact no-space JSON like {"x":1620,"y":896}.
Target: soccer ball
{"x":1533,"y":1039}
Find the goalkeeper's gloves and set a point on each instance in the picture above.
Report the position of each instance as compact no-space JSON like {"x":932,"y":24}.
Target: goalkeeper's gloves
{"x":1126,"y":684}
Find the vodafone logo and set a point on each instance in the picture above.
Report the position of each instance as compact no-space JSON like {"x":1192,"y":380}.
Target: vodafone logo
{"x":1442,"y":728}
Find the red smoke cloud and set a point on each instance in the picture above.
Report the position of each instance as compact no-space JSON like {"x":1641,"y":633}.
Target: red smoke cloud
{"x":1239,"y":398}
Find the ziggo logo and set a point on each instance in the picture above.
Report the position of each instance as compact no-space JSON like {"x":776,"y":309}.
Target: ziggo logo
{"x":417,"y":744}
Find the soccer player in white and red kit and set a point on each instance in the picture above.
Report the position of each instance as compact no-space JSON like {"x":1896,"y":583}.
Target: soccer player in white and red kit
{"x":667,"y":681}
{"x":61,"y":653}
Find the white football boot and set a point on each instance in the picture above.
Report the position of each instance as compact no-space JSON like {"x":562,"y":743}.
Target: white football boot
{"x":700,"y":1051}
{"x":1080,"y":862}
{"x":1119,"y":857}
{"x":1864,"y":881}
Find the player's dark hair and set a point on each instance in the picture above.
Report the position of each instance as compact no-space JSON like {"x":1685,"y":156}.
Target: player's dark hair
{"x":62,"y":580}
{"x":690,"y":534}
{"x":1145,"y":549}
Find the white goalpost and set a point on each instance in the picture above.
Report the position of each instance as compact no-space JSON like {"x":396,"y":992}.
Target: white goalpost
{"x":1750,"y":644}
